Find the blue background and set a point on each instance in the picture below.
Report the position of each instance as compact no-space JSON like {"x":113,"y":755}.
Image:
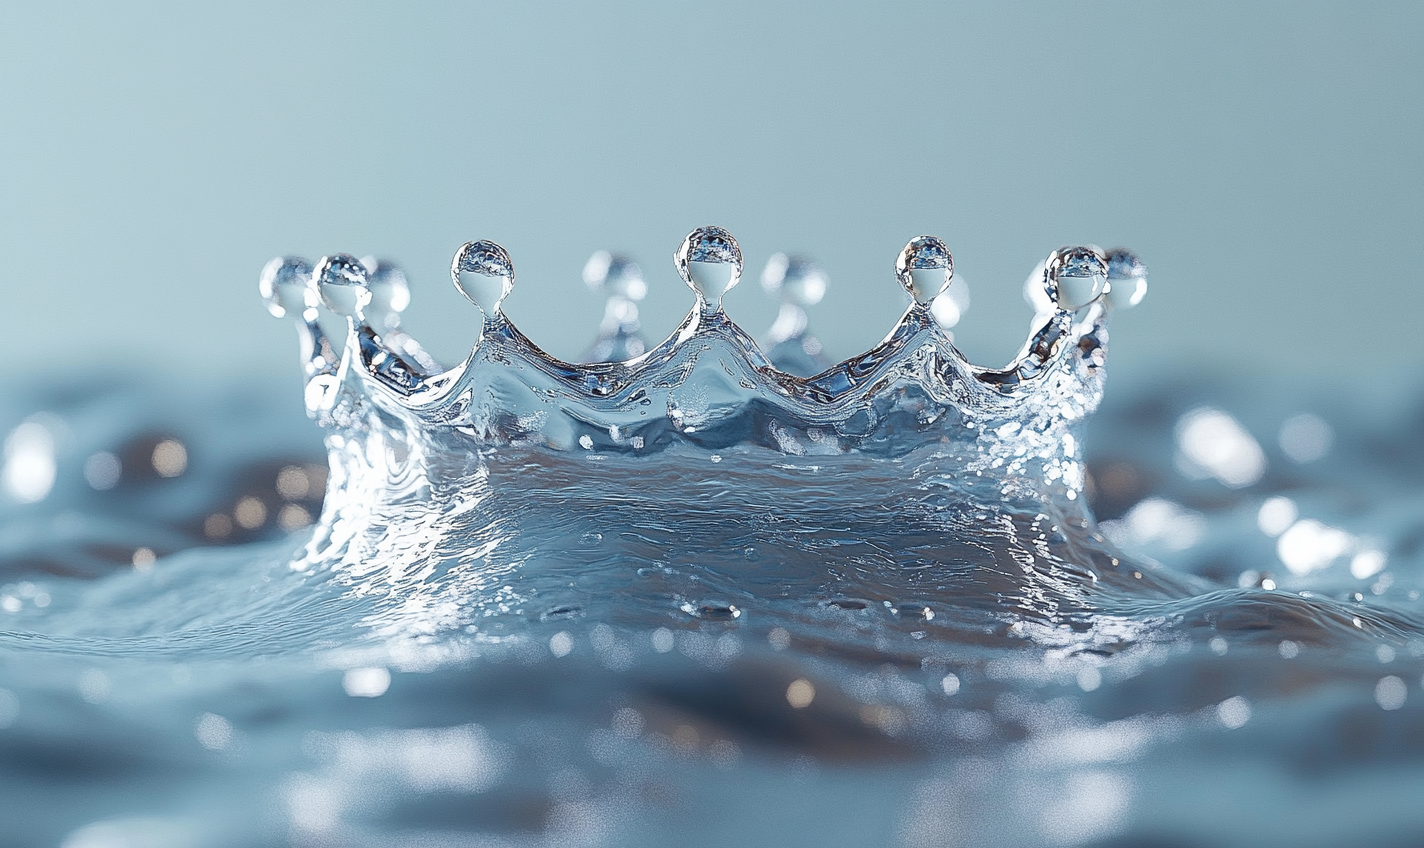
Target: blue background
{"x":1265,"y":159}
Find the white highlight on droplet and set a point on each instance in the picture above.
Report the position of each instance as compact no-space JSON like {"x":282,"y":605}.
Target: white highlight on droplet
{"x":1390,"y":693}
{"x":369,"y":682}
{"x":1213,"y":444}
{"x":94,"y":686}
{"x":1310,"y":546}
{"x":9,"y":708}
{"x":663,"y":640}
{"x":1276,"y":515}
{"x":627,"y":722}
{"x":800,"y":693}
{"x":102,"y":471}
{"x":213,"y":732}
{"x":29,"y":470}
{"x":560,"y":644}
{"x":1367,"y":563}
{"x":1157,"y":521}
{"x":1234,"y":712}
{"x":169,"y":458}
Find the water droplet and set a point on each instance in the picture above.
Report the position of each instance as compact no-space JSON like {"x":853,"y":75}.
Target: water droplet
{"x":341,"y":282}
{"x":1127,"y":279}
{"x":560,"y":644}
{"x":484,"y":273}
{"x":710,"y":262}
{"x":924,"y":268}
{"x":1075,"y":276}
{"x":794,"y":279}
{"x":621,"y":281}
{"x":800,"y":693}
{"x":390,"y":294}
{"x":1234,"y":712}
{"x":663,"y":640}
{"x":103,"y":470}
{"x":169,"y":458}
{"x":250,"y":512}
{"x":1391,"y":693}
{"x":293,"y":517}
{"x":285,"y":285}
{"x":798,"y":283}
{"x":614,"y":276}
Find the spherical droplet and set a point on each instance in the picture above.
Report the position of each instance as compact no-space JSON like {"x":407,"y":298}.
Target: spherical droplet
{"x":924,"y":268}
{"x":1127,"y":279}
{"x":484,"y":273}
{"x":794,"y":279}
{"x":285,"y":285}
{"x":341,"y":282}
{"x":710,"y":262}
{"x":390,"y":293}
{"x":1075,"y":276}
{"x":614,"y":276}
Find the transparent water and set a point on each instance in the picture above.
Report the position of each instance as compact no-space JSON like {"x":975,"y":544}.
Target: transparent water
{"x":499,"y":633}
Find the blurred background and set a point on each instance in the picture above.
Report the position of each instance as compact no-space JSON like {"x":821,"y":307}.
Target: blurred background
{"x":1263,"y":158}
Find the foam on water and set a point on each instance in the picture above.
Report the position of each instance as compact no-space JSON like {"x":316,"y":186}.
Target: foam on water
{"x":796,"y":610}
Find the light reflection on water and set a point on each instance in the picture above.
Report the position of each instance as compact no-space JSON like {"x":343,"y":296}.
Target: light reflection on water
{"x":163,"y":683}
